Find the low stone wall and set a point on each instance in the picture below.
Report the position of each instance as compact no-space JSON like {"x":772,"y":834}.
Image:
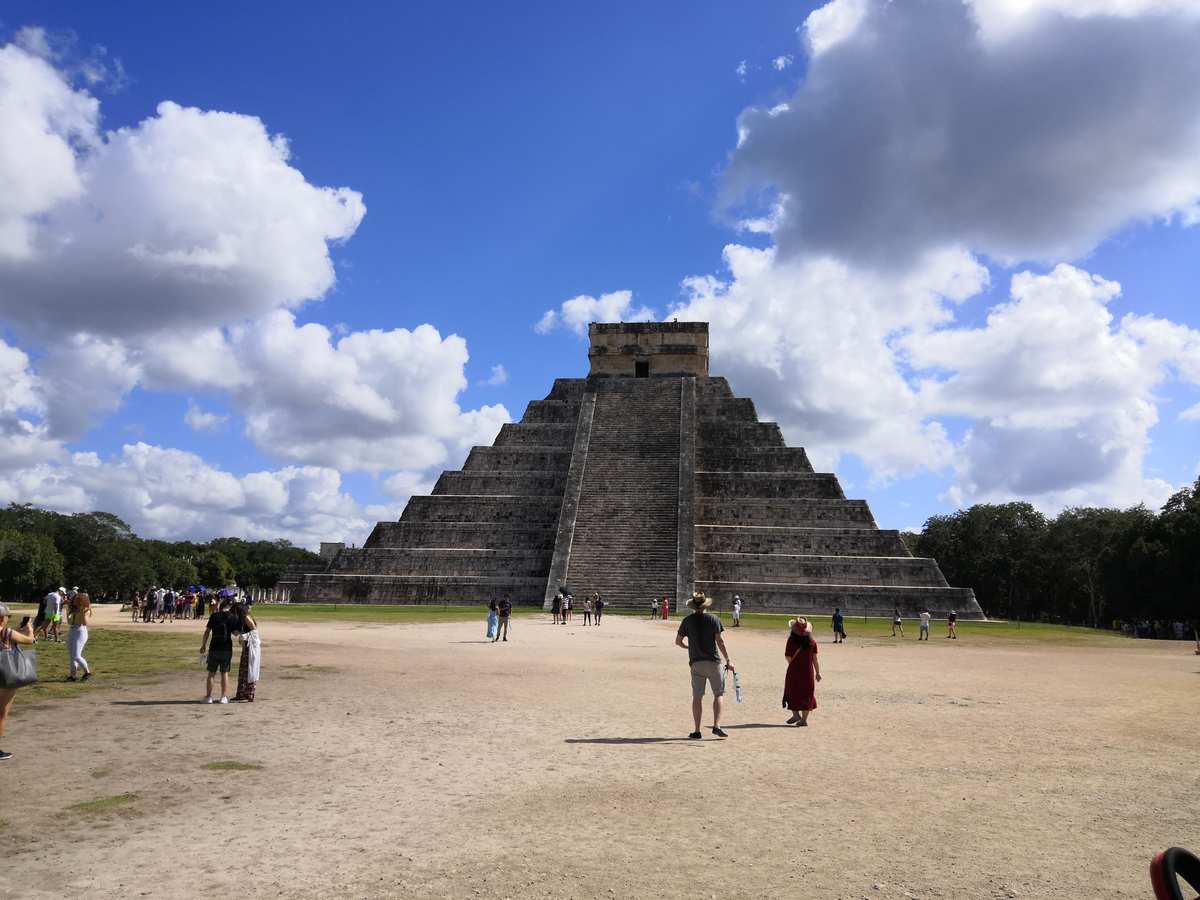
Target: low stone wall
{"x":462,"y":535}
{"x":854,"y":600}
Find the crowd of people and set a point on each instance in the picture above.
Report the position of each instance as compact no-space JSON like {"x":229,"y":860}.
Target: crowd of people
{"x":229,"y":620}
{"x":562,"y":608}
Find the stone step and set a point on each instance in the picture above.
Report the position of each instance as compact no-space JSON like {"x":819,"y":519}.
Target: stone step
{"x":766,"y":485}
{"x":790,"y":513}
{"x":463,"y":535}
{"x":724,"y":458}
{"x":570,"y":389}
{"x":816,"y":541}
{"x":479,"y":508}
{"x":712,"y":388}
{"x":721,"y":433}
{"x":903,"y":571}
{"x":530,"y":484}
{"x":732,"y":409}
{"x":516,"y":434}
{"x":521,"y":459}
{"x":852,"y":599}
{"x":442,"y":562}
{"x":420,"y":589}
{"x":560,"y":412}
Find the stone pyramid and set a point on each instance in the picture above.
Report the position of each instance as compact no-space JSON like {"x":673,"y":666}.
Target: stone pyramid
{"x":649,"y":478}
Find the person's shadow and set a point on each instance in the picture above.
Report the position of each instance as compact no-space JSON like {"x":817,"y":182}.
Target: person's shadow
{"x":629,"y":740}
{"x":155,"y":702}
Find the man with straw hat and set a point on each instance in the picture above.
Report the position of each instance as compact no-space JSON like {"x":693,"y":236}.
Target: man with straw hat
{"x":702,"y":631}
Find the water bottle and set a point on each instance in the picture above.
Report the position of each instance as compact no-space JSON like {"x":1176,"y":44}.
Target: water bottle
{"x":737,"y":687}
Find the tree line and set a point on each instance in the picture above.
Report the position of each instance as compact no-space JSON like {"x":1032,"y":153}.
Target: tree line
{"x":1087,"y":565}
{"x":100,"y":552}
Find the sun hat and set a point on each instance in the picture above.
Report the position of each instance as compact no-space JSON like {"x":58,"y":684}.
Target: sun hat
{"x":800,"y":620}
{"x":699,"y":601}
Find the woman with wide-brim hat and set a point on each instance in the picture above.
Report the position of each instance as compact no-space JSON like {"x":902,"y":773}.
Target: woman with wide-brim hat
{"x":803,"y":672}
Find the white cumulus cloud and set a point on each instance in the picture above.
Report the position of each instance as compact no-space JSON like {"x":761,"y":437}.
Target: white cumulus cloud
{"x":912,"y":132}
{"x":578,"y":312}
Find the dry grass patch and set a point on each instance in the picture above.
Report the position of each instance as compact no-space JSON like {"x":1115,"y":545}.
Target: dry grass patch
{"x":105,"y":804}
{"x":231,"y":765}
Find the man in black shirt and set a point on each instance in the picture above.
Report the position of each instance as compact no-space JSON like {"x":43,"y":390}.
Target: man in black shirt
{"x":504,"y":611}
{"x":702,"y":631}
{"x":221,"y":626}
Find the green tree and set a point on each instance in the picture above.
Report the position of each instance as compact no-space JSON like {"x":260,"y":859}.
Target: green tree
{"x":28,"y":564}
{"x":214,"y":569}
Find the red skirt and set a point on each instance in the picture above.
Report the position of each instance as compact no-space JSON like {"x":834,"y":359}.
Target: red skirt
{"x":800,"y":685}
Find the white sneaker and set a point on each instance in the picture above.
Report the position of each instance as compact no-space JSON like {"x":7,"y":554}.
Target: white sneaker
{"x":224,"y":699}
{"x":208,"y":699}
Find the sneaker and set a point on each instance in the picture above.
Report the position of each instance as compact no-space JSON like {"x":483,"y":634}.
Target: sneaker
{"x":224,"y":699}
{"x":695,"y":735}
{"x":86,"y":676}
{"x":4,"y":756}
{"x":208,"y":699}
{"x":719,"y":731}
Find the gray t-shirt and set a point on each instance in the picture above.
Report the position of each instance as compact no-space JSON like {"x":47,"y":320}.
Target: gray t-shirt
{"x":701,"y":630}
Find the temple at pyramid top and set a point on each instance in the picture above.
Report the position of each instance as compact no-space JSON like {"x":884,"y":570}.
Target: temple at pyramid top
{"x":644,"y":349}
{"x":647,"y":479}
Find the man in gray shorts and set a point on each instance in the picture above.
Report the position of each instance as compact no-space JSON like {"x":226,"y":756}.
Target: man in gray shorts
{"x":702,"y":631}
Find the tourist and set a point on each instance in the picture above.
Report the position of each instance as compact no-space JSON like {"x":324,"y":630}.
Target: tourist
{"x":702,"y":631}
{"x":39,"y":620}
{"x":587,"y":611}
{"x":77,"y":635}
{"x":250,"y":663}
{"x":924,"y":630}
{"x":654,"y":607}
{"x":666,"y":607}
{"x":493,"y":619}
{"x":839,"y":626}
{"x":737,"y":611}
{"x":568,"y":603}
{"x":135,"y":606}
{"x":897,"y":622}
{"x":169,"y":605}
{"x":600,"y":611}
{"x":555,"y":608}
{"x":160,"y":603}
{"x":9,"y":639}
{"x":952,"y":625}
{"x":53,"y":614}
{"x":148,"y":605}
{"x":504,"y":611}
{"x":221,"y":627}
{"x":799,"y":686}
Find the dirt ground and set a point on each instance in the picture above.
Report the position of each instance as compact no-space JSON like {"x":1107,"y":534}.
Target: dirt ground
{"x":422,"y":761}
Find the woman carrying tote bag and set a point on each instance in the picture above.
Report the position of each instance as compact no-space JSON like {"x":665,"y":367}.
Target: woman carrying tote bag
{"x":16,"y":668}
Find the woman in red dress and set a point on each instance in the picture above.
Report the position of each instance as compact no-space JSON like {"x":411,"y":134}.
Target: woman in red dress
{"x":799,"y":687}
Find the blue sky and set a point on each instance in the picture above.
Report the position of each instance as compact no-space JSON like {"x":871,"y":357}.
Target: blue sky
{"x":508,"y":163}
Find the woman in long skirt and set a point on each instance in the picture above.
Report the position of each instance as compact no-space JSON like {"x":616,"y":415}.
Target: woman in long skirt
{"x":799,"y":686}
{"x":494,"y":619}
{"x":248,"y":665}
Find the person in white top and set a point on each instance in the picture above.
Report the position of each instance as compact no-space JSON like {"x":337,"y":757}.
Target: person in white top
{"x":737,"y":611}
{"x":54,"y":601}
{"x":924,"y":635}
